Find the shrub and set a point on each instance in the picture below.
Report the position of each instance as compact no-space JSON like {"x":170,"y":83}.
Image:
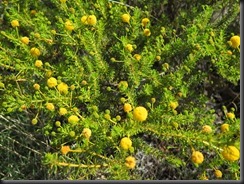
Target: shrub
{"x":83,"y":76}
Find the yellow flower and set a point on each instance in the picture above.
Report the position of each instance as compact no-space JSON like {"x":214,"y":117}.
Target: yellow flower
{"x":137,"y":57}
{"x":158,"y":58}
{"x":234,"y":41}
{"x":69,"y":25}
{"x":92,"y":20}
{"x":86,"y":133}
{"x":197,"y":157}
{"x":206,"y":129}
{"x":63,"y":88}
{"x":130,"y":162}
{"x":140,"y":113}
{"x":224,"y":127}
{"x":65,"y":149}
{"x":127,"y":107}
{"x":38,"y":63}
{"x":230,"y":115}
{"x":126,"y":143}
{"x":145,"y":21}
{"x":231,"y":153}
{"x":173,"y":105}
{"x":73,"y":119}
{"x":62,"y":1}
{"x":36,"y":86}
{"x":50,"y":106}
{"x":129,"y":47}
{"x":62,"y":111}
{"x":147,"y":32}
{"x":52,"y":82}
{"x":84,"y":19}
{"x":35,"y":51}
{"x":25,"y":40}
{"x":218,"y":173}
{"x":125,"y":18}
{"x":15,"y":23}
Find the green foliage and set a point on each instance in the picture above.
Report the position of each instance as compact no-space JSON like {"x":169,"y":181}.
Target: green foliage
{"x":92,"y":68}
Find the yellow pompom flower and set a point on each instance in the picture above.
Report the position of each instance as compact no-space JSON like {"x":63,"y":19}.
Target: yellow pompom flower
{"x":125,"y":143}
{"x":137,"y":57}
{"x":15,"y":23}
{"x":25,"y":40}
{"x":50,"y":106}
{"x":235,"y":41}
{"x":86,"y":133}
{"x":62,"y":111}
{"x":38,"y":63}
{"x":218,"y":173}
{"x":65,"y":149}
{"x":36,"y":86}
{"x":130,"y":162}
{"x":63,"y":88}
{"x":127,"y":107}
{"x":52,"y":82}
{"x":197,"y":157}
{"x":129,"y":47}
{"x":84,"y":20}
{"x":140,"y":113}
{"x":230,"y":153}
{"x":145,"y":21}
{"x":69,"y":25}
{"x":73,"y":119}
{"x":147,"y":32}
{"x":224,"y":127}
{"x":230,"y":115}
{"x":206,"y":129}
{"x":35,"y":51}
{"x":173,"y":105}
{"x":92,"y":20}
{"x":125,"y":18}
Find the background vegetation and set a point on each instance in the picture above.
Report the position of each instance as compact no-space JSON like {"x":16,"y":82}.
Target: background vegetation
{"x":72,"y":74}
